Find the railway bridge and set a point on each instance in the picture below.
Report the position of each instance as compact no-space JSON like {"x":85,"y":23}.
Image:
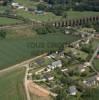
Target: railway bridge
{"x":75,"y":22}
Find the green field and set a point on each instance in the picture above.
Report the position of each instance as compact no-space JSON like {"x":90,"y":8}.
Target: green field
{"x":5,"y":21}
{"x":77,"y":14}
{"x":15,"y":50}
{"x":27,"y":3}
{"x":44,"y":17}
{"x":11,"y":85}
{"x":50,"y":16}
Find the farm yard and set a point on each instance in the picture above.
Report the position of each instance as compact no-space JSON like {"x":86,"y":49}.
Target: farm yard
{"x":11,"y":85}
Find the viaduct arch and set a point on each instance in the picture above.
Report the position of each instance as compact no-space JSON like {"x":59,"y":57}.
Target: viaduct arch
{"x":75,"y":22}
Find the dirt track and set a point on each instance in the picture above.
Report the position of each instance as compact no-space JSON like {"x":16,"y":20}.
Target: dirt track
{"x":20,"y":65}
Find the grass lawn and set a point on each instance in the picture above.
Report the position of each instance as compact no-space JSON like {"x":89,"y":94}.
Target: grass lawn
{"x":77,"y":53}
{"x":95,"y":43}
{"x":4,"y":20}
{"x":15,"y":50}
{"x":96,"y":64}
{"x":11,"y":85}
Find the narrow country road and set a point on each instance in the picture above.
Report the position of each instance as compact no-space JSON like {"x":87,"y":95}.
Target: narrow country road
{"x":15,"y":26}
{"x":25,"y":83}
{"x":92,"y":58}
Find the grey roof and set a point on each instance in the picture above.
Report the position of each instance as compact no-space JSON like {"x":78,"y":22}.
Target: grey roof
{"x":72,"y":89}
{"x":80,"y":67}
{"x":91,"y":80}
{"x":56,"y":63}
{"x":39,"y":61}
{"x":48,"y":75}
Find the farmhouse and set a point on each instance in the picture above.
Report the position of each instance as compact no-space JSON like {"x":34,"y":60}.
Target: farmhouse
{"x":81,"y":69}
{"x":92,"y":81}
{"x":2,"y":2}
{"x":72,"y":90}
{"x":97,"y":56}
{"x":57,"y":63}
{"x":86,"y":64}
{"x":48,"y":77}
{"x":17,"y":5}
{"x":39,"y":12}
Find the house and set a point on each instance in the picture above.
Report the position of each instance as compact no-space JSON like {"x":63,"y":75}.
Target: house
{"x":48,"y":77}
{"x":31,"y":9}
{"x":17,"y":5}
{"x":61,"y":54}
{"x":92,"y":81}
{"x":86,"y":64}
{"x":40,"y":12}
{"x":53,"y":55}
{"x":64,"y":70}
{"x":97,"y":56}
{"x":97,"y":77}
{"x":81,"y":69}
{"x":57,"y":63}
{"x":2,"y":2}
{"x":72,"y":90}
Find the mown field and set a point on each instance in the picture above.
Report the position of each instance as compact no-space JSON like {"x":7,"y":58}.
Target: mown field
{"x":11,"y":85}
{"x":15,"y":50}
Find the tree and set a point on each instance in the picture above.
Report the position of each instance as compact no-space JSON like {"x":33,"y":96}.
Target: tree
{"x":62,"y":95}
{"x":42,"y":6}
{"x":2,"y":34}
{"x":64,"y":15}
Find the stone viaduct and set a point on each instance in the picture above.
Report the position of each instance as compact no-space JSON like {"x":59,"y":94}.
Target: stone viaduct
{"x":75,"y":22}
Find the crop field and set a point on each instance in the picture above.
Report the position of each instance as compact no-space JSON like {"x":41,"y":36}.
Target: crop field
{"x":5,"y":21}
{"x":15,"y":50}
{"x":11,"y":85}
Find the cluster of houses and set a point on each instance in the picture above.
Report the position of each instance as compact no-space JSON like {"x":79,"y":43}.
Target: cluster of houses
{"x":2,"y":1}
{"x":56,"y":62}
{"x":17,"y":6}
{"x":31,"y":10}
{"x":92,"y":81}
